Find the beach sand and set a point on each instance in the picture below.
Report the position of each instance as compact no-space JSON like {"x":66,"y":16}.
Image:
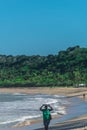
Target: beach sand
{"x":69,"y":92}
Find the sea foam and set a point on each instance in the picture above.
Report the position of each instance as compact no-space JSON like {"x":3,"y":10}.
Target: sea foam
{"x":19,"y":107}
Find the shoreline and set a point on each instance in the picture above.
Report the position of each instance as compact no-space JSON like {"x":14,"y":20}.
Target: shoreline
{"x":46,"y":90}
{"x":68,"y":92}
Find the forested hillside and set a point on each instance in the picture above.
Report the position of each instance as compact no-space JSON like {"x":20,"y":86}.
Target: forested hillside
{"x":68,"y":67}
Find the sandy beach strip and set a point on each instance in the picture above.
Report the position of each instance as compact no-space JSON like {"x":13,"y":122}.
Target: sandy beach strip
{"x":46,"y":90}
{"x":69,"y":92}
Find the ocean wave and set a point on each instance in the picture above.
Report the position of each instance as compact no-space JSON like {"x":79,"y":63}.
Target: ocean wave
{"x":20,"y":119}
{"x":49,"y":101}
{"x":59,"y":96}
{"x":20,"y":107}
{"x":19,"y":94}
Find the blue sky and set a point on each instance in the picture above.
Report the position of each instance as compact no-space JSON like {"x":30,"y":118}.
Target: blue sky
{"x":42,"y":27}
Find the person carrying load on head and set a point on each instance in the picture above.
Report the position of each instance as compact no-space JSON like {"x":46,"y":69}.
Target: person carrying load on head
{"x":46,"y":115}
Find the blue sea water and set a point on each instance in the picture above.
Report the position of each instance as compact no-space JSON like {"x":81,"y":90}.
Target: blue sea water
{"x":19,"y":107}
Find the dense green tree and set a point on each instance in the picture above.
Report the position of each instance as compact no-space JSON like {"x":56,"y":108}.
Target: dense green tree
{"x":68,"y":67}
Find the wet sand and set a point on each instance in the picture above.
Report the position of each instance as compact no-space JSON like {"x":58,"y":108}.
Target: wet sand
{"x":69,"y":92}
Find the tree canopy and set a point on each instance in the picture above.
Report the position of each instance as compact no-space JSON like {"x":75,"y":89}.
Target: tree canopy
{"x":68,"y":67}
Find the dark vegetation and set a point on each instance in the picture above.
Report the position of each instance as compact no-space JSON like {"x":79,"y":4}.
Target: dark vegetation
{"x":67,"y":68}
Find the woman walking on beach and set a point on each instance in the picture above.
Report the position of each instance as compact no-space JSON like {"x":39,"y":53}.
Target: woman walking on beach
{"x":46,"y":115}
